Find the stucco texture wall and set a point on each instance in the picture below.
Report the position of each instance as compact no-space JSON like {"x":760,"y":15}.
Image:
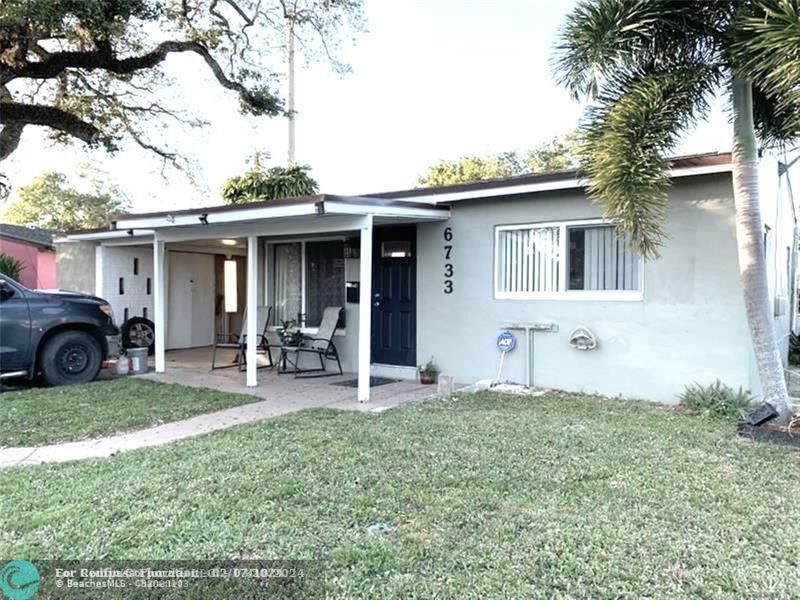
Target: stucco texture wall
{"x":690,"y":325}
{"x":779,"y":220}
{"x":75,"y":266}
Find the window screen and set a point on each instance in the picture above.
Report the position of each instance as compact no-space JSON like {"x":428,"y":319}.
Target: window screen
{"x":527,"y":259}
{"x":324,"y":279}
{"x":600,"y":260}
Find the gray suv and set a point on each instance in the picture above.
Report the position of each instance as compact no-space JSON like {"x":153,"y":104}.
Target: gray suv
{"x":62,"y":336}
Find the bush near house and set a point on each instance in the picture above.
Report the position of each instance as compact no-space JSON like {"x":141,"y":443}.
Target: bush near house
{"x":10,"y":266}
{"x":716,"y":399}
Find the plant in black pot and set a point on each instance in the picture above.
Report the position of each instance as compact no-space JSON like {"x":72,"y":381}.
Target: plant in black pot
{"x":290,"y":334}
{"x":428,"y":372}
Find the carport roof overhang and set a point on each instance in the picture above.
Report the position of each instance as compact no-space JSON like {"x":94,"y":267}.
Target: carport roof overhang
{"x":312,"y":214}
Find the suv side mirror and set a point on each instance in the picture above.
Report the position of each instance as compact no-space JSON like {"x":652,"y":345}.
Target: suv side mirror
{"x":6,"y":291}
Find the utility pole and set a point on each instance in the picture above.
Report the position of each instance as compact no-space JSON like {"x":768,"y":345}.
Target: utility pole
{"x":290,"y":19}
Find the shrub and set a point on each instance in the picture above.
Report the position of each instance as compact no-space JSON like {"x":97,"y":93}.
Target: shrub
{"x":716,"y":399}
{"x":10,"y":266}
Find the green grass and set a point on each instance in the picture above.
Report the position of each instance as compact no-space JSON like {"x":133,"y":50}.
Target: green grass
{"x":39,"y":416}
{"x":487,"y":496}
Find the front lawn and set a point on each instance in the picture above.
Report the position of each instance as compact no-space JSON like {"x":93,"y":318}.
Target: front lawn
{"x":486,"y":496}
{"x":39,"y":416}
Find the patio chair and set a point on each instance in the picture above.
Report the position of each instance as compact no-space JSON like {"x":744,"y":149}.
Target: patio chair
{"x":238,"y":342}
{"x":270,"y":340}
{"x":322,"y":345}
{"x":262,"y":347}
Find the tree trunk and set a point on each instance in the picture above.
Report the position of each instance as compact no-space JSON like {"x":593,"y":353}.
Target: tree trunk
{"x":752,"y":262}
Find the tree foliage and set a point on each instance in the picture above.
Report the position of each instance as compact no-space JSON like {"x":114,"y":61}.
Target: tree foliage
{"x":650,"y":69}
{"x":319,"y":25}
{"x":260,"y":183}
{"x":50,"y":202}
{"x":91,"y":70}
{"x":555,"y":155}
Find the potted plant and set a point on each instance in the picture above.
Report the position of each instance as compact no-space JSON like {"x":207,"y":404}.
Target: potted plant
{"x":428,"y":372}
{"x":290,"y":335}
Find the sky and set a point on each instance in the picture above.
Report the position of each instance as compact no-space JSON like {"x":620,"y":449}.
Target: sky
{"x":430,"y":80}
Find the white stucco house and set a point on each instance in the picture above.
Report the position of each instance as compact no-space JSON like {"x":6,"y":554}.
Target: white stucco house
{"x":442,"y":271}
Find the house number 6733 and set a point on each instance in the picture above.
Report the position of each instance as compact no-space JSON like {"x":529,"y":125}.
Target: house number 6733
{"x":448,"y":266}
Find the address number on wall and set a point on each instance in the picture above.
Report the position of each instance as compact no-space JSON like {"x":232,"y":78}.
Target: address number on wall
{"x":448,"y":265}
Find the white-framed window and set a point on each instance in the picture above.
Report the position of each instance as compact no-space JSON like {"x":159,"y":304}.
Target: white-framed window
{"x":304,"y":277}
{"x":574,"y":260}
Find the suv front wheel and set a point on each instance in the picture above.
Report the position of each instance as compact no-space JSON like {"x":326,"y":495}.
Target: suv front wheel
{"x":71,"y":357}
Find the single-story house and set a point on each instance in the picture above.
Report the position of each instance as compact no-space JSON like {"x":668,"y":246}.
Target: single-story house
{"x":35,"y":250}
{"x":441,"y":272}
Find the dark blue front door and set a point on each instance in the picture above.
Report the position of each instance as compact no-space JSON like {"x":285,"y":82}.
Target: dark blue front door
{"x":394,"y":291}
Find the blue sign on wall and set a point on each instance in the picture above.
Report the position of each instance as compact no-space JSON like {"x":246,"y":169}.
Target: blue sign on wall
{"x":506,"y":341}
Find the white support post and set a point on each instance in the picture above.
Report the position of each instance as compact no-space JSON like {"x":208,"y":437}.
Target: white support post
{"x":99,"y":263}
{"x":365,"y":310}
{"x":252,"y":310}
{"x":159,"y":303}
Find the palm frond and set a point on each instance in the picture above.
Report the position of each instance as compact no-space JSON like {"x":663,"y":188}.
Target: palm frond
{"x":767,"y":48}
{"x":767,"y":53}
{"x":604,"y":40}
{"x":624,"y":139}
{"x":777,"y":120}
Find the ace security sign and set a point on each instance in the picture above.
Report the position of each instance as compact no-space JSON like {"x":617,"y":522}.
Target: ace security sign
{"x":506,"y":341}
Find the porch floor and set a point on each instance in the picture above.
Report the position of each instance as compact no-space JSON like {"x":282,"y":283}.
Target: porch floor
{"x":192,"y":367}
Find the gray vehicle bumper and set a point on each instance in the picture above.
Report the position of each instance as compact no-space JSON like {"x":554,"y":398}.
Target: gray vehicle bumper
{"x":114,"y":343}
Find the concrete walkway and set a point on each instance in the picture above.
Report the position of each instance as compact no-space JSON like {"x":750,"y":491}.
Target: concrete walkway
{"x":194,"y":426}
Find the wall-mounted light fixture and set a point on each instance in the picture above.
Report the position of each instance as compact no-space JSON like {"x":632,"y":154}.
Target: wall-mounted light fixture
{"x":228,"y":242}
{"x":231,"y":299}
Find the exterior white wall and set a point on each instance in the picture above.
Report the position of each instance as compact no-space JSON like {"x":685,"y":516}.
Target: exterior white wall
{"x":75,"y":266}
{"x":777,"y":213}
{"x":118,"y":262}
{"x":690,"y":325}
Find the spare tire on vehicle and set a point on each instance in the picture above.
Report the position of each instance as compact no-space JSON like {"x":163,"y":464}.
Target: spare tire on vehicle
{"x":139,"y":332}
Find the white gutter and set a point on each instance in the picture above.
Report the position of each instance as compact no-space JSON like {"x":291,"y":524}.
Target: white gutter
{"x":546,"y":186}
{"x":215,"y":218}
{"x":346,"y":208}
{"x":328,"y":207}
{"x":114,"y":234}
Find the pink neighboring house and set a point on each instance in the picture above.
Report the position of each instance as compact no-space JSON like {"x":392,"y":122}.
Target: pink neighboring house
{"x":34,"y":249}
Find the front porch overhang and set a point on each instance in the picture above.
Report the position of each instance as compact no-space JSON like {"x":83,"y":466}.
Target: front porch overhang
{"x":274,"y":218}
{"x":293,"y":211}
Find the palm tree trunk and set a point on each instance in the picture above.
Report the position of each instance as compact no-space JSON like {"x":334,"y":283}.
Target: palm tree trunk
{"x":752,"y":262}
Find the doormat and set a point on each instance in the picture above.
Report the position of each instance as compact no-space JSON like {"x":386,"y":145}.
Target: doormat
{"x":373,"y":382}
